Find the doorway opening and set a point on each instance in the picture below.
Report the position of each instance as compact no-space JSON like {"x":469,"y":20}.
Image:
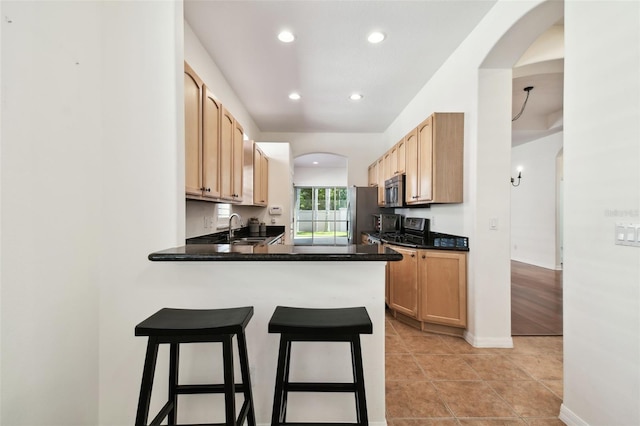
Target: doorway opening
{"x":320,"y":216}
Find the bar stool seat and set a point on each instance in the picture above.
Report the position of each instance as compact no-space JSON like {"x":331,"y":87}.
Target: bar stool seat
{"x":178,"y":326}
{"x":319,"y":325}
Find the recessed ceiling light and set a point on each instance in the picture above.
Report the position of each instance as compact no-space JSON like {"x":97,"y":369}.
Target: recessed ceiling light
{"x":315,"y":162}
{"x":286,"y":37}
{"x":376,"y":37}
{"x":355,"y":97}
{"x":294,"y":96}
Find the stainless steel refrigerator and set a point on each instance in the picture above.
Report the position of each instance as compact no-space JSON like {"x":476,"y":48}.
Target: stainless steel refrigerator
{"x":362,"y":204}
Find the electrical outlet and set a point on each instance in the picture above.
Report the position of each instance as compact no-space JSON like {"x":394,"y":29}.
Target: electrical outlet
{"x":493,"y":224}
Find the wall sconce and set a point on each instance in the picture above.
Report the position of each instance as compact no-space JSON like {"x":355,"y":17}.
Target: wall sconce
{"x":519,"y":177}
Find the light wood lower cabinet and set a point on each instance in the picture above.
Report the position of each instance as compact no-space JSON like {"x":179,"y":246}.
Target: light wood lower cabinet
{"x":443,"y":287}
{"x":403,"y":285}
{"x":429,"y":286}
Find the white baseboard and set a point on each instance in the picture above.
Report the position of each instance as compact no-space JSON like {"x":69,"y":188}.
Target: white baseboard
{"x":570,"y":418}
{"x":488,"y":342}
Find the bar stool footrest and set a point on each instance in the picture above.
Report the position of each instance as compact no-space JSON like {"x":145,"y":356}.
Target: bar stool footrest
{"x":206,"y":388}
{"x":320,"y":387}
{"x":318,"y":424}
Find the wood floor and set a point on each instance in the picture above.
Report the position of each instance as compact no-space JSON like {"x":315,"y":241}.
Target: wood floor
{"x":536,"y":300}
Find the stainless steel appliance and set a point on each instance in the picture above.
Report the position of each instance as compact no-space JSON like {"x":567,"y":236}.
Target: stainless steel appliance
{"x":361,"y":205}
{"x":394,"y":191}
{"x":416,"y":233}
{"x":383,"y":223}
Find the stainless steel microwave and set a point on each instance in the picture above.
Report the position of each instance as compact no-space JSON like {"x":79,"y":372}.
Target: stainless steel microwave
{"x":394,"y":191}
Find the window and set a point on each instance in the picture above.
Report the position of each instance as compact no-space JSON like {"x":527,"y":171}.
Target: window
{"x":224,"y":211}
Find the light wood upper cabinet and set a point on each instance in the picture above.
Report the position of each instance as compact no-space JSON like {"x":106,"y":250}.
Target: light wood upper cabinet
{"x":226,"y":155}
{"x":393,"y":161}
{"x":388,"y":167}
{"x":231,"y":158}
{"x":213,"y":145}
{"x":443,"y":287}
{"x":193,"y":88}
{"x":238,"y":160}
{"x":211,"y":114}
{"x":401,"y":156}
{"x":403,"y":282}
{"x":381,"y":180}
{"x":372,"y":173}
{"x":435,"y":161}
{"x":411,"y":164}
{"x":260,"y":177}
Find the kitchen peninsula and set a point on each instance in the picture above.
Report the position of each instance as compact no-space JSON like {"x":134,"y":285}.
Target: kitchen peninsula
{"x":265,"y":276}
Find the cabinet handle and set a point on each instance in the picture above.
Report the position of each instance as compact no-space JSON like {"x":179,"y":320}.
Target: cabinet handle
{"x":413,"y":255}
{"x":414,"y":196}
{"x":208,"y":189}
{"x":424,"y":257}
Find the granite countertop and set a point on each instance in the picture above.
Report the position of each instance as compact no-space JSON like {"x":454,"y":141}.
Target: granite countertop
{"x":277,"y":252}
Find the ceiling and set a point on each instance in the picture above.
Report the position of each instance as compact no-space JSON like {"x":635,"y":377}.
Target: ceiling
{"x":330,"y":58}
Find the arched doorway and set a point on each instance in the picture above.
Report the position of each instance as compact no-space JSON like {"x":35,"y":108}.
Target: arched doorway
{"x":490,"y":282}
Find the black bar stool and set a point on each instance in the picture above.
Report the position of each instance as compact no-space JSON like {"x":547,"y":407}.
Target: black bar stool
{"x":319,"y":325}
{"x":176,"y":326}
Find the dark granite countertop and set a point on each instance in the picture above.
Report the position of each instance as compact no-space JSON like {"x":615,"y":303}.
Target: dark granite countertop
{"x":277,"y":252}
{"x":222,"y":237}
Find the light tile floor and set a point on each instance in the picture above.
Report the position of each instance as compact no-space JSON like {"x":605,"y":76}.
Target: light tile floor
{"x":435,"y":380}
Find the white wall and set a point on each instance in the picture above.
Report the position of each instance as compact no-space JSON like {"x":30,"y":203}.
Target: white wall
{"x":320,"y":176}
{"x":360,"y":149}
{"x":533,"y":203}
{"x":52,"y":211}
{"x":602,"y":186}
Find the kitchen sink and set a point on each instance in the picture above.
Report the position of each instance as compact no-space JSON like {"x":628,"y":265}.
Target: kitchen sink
{"x":248,"y":240}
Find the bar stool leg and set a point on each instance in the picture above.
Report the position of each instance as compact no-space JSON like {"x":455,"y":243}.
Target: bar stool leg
{"x":147,"y":382}
{"x":278,"y":413}
{"x":229,"y":385}
{"x":246,"y":378}
{"x":358,"y":378}
{"x":174,"y":362}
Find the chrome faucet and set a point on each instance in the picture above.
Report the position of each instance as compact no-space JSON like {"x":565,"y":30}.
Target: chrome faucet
{"x":230,"y":220}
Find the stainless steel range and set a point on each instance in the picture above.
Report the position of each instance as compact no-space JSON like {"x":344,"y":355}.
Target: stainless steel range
{"x":416,"y":233}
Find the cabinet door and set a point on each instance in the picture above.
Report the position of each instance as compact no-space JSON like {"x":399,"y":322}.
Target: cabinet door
{"x":211,"y":145}
{"x":425,"y":160}
{"x":401,"y":154}
{"x":226,"y":155}
{"x":238,"y":160}
{"x":260,"y":177}
{"x":448,"y":154}
{"x":403,"y":280}
{"x":411,"y":167}
{"x":192,"y":131}
{"x":381,"y":181}
{"x":264,"y":176}
{"x":393,"y":161}
{"x":443,"y":287}
{"x":373,"y":174}
{"x":387,"y":166}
